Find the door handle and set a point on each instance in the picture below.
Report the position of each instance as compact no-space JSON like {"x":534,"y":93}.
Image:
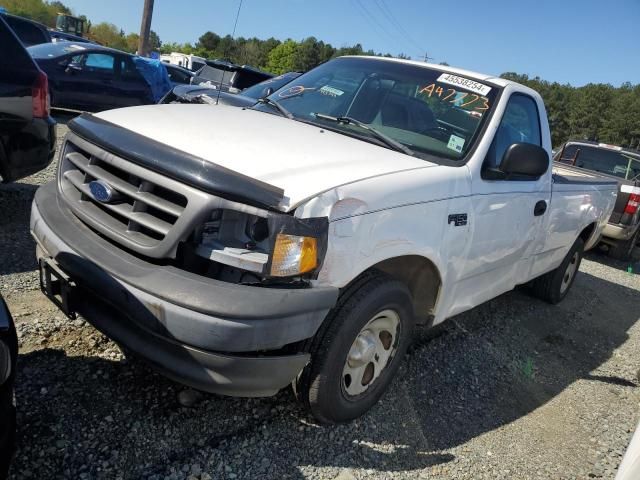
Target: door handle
{"x":540,"y":208}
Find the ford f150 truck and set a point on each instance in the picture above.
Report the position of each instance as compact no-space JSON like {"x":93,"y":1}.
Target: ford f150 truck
{"x":301,"y":240}
{"x":622,"y":233}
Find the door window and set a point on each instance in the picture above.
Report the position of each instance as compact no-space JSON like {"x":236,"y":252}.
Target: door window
{"x":128,"y":70}
{"x":99,"y":62}
{"x":520,"y":124}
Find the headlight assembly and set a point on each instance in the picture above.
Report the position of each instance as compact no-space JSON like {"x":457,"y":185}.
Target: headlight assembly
{"x":274,"y":245}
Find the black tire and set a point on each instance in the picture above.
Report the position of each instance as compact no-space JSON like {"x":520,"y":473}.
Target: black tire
{"x":623,"y":249}
{"x":553,"y":286}
{"x":320,"y":386}
{"x":9,"y":352}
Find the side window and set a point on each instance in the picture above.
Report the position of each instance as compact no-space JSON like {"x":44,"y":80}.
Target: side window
{"x":99,"y":62}
{"x":76,"y":60}
{"x":520,"y":124}
{"x":128,"y":69}
{"x":28,"y":33}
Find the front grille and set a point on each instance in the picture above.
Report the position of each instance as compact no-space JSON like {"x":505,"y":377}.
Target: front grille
{"x":145,"y":212}
{"x":152,"y":214}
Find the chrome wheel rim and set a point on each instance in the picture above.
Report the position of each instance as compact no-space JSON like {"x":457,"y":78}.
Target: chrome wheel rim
{"x":570,"y":272}
{"x":370,"y":352}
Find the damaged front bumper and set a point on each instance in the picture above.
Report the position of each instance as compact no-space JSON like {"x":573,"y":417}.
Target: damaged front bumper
{"x":215,"y":336}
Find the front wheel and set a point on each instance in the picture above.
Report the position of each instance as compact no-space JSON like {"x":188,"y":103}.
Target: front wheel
{"x":554,"y":286}
{"x":358,"y":350}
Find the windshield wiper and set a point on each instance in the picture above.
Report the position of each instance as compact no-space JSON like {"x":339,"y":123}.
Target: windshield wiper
{"x":390,"y":142}
{"x":273,"y":103}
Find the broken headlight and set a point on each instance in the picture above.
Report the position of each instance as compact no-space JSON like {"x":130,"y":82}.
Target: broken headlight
{"x":277,"y":245}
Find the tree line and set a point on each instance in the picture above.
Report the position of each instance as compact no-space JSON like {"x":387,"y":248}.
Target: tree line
{"x":599,"y":112}
{"x":596,"y":111}
{"x":271,"y":54}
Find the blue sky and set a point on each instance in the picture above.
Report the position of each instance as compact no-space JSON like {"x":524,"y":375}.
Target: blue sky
{"x":574,"y":41}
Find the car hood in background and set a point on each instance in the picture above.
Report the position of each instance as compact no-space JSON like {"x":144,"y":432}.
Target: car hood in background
{"x":304,"y":160}
{"x":190,"y":93}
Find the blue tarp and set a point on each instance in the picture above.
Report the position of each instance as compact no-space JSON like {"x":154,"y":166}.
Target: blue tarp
{"x":155,"y":74}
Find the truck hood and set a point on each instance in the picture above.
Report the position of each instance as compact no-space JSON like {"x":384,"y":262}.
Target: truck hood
{"x":302,"y":159}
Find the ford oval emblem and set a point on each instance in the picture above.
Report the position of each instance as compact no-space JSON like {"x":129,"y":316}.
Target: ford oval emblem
{"x":101,"y":191}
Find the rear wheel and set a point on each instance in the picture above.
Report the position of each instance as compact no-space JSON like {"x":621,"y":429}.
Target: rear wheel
{"x":358,"y":350}
{"x":554,"y":286}
{"x":623,"y":249}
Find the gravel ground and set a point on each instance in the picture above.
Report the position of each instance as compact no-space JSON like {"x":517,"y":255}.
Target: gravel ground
{"x":513,"y":389}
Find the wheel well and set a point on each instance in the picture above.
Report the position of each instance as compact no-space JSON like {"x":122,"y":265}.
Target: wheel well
{"x":421,"y":277}
{"x":585,"y":235}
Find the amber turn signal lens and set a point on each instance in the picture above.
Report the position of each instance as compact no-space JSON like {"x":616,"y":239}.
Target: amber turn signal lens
{"x":293,"y":255}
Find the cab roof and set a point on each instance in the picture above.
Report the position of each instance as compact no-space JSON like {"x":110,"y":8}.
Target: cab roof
{"x":497,"y":81}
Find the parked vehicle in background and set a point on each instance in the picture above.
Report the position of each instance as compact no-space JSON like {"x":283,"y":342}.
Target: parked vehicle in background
{"x":246,"y":98}
{"x":70,"y":24}
{"x":190,"y":62}
{"x":31,"y":32}
{"x":302,"y":239}
{"x":8,"y":359}
{"x":178,"y":75}
{"x":622,"y":233}
{"x":93,"y":78}
{"x":27,"y":131}
{"x":229,"y":76}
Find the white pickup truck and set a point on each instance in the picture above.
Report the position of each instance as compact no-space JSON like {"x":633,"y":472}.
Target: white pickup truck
{"x":301,"y":240}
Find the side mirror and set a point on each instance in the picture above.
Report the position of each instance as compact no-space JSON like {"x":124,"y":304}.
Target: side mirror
{"x":266,"y":92}
{"x":524,"y":160}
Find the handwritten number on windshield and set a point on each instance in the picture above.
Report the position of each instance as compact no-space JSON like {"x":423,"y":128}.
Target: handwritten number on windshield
{"x":453,"y":92}
{"x":458,"y":98}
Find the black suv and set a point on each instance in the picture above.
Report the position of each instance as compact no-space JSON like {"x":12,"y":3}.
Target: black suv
{"x":27,"y":131}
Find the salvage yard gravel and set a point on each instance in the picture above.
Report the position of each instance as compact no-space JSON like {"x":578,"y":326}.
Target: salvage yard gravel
{"x":514,"y":389}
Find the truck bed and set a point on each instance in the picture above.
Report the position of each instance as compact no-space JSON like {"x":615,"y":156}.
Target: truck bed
{"x":567,"y":175}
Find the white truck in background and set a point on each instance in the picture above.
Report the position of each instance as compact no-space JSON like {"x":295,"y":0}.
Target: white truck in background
{"x":300,"y":241}
{"x":191,"y":62}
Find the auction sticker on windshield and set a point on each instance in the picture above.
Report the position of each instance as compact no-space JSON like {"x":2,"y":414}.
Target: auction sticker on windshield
{"x":331,"y":91}
{"x":455,"y":143}
{"x":465,"y":83}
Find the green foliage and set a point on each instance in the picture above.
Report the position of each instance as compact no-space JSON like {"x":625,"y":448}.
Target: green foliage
{"x":282,"y":58}
{"x":154,"y":41}
{"x":132,"y":40}
{"x":595,"y":111}
{"x":39,"y":10}
{"x":109,"y":35}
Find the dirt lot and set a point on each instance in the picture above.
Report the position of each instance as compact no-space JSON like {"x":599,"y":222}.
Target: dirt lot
{"x":513,"y":389}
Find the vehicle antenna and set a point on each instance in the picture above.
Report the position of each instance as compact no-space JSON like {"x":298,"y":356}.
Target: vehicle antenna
{"x":233,"y":36}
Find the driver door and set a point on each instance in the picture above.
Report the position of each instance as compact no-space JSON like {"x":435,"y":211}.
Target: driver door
{"x":89,"y":81}
{"x":507,"y":215}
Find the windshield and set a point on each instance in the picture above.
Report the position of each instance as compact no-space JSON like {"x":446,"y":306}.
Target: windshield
{"x":431,"y":112}
{"x":259,"y":90}
{"x":52,"y":50}
{"x":609,"y":161}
